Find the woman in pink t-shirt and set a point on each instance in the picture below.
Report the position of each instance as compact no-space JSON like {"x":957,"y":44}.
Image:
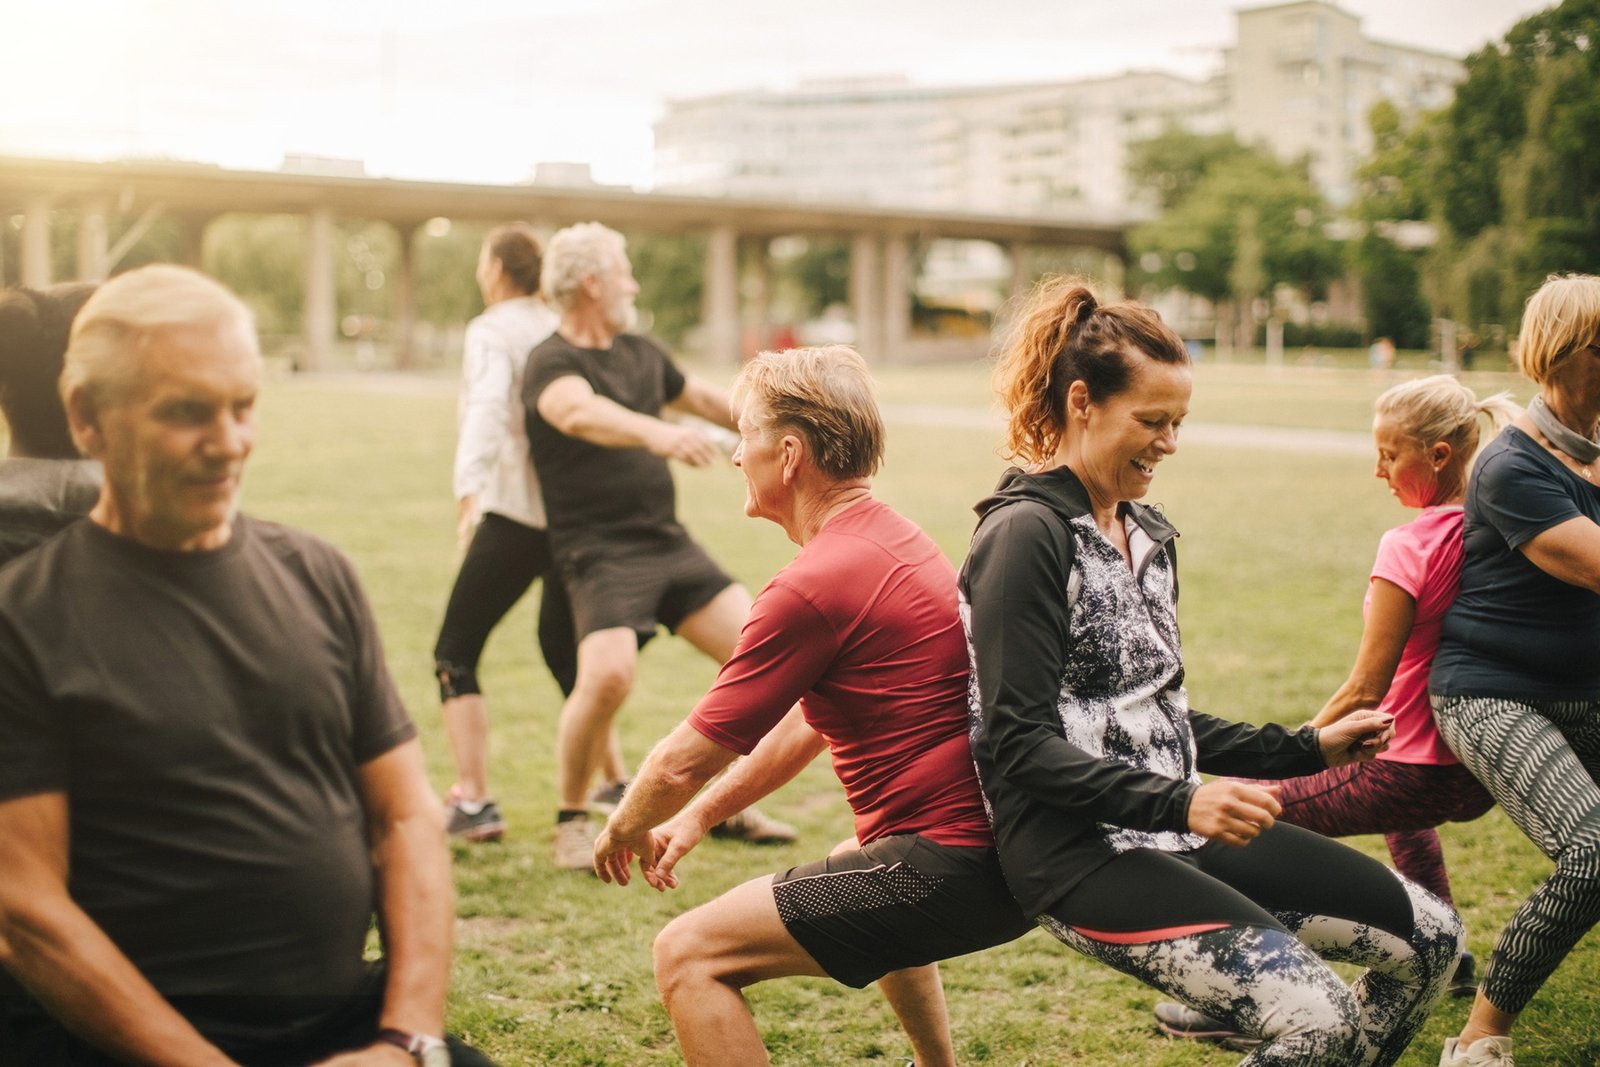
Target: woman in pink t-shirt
{"x":1426,"y":432}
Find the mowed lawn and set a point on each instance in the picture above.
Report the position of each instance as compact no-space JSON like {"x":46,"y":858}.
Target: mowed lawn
{"x":553,"y":968}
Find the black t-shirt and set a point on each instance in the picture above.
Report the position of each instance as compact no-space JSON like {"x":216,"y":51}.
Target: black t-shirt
{"x":1515,"y":631}
{"x":205,"y":714}
{"x":592,"y":492}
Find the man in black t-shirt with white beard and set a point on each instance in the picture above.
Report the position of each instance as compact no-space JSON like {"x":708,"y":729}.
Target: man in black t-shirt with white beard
{"x":594,"y":395}
{"x":210,"y":784}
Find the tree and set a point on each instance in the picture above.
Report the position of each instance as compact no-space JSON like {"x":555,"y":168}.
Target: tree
{"x":1248,"y":224}
{"x":1167,"y":167}
{"x":1514,"y":177}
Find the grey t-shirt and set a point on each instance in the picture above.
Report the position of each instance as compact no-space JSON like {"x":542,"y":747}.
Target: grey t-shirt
{"x":1515,"y":631}
{"x":205,"y":714}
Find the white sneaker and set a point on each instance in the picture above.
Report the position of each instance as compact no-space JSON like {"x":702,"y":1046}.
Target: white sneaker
{"x":1484,"y":1052}
{"x":574,"y":844}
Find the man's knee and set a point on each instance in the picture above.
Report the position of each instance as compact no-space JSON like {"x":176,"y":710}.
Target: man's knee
{"x":606,"y":665}
{"x":679,"y":956}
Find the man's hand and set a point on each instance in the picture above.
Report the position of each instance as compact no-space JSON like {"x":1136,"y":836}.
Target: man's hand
{"x":614,"y":853}
{"x":1233,"y":812}
{"x":675,"y":838}
{"x":1356,"y":738}
{"x":377,"y":1054}
{"x":685,"y":444}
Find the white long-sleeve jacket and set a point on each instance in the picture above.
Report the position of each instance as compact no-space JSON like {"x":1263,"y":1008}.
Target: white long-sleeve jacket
{"x":492,"y":460}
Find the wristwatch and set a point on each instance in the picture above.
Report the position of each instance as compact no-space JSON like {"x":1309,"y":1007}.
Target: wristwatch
{"x":427,"y":1051}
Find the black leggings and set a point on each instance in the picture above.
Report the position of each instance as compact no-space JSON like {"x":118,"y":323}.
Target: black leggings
{"x":1238,"y":932}
{"x":501,"y":564}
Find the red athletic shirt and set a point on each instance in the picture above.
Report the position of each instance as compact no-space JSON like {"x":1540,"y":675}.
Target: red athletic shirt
{"x":862,"y":628}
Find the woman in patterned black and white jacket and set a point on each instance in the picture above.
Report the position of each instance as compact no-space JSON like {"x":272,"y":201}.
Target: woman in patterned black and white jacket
{"x":1090,"y":758}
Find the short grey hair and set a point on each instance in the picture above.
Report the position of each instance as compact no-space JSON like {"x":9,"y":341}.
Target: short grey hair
{"x":575,"y":253}
{"x":127,"y":311}
{"x":823,"y":394}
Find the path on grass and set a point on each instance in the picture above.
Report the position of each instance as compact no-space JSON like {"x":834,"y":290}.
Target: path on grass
{"x":1212,"y":434}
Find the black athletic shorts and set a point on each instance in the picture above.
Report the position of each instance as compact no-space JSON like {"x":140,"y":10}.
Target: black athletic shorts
{"x":901,"y":901}
{"x":639,"y":586}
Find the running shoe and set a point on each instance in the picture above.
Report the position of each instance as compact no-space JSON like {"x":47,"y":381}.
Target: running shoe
{"x":756,"y":827}
{"x":607,"y":796}
{"x":1484,"y":1052}
{"x":1182,"y":1021}
{"x":1464,"y":983}
{"x":474,"y":820}
{"x":574,"y":844}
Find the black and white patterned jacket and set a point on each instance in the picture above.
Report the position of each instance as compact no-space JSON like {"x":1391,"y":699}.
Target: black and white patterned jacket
{"x":1079,"y":721}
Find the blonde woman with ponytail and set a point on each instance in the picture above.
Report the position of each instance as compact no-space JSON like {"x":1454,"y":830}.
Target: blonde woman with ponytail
{"x":1426,"y":433}
{"x":1090,"y":757}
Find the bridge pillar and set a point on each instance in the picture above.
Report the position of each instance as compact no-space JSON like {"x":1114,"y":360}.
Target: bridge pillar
{"x":720,"y":310}
{"x":1021,"y":276}
{"x":897,"y":286}
{"x":405,"y":296}
{"x":866,"y":297}
{"x":36,"y":269}
{"x":92,"y":242}
{"x":321,"y":299}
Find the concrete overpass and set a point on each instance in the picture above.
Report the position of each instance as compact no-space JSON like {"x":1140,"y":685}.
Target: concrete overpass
{"x":194,"y":194}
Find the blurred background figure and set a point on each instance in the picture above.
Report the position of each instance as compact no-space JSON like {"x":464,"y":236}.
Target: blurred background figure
{"x":44,"y":485}
{"x":500,"y":521}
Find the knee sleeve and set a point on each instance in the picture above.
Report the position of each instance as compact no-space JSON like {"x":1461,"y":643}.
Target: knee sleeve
{"x":455,"y":681}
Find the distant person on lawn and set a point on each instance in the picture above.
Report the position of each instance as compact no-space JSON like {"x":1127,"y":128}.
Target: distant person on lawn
{"x":595,"y":396}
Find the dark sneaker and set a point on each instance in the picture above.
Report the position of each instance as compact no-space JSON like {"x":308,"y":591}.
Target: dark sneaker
{"x":606,"y":797}
{"x":1464,"y":983}
{"x":574,"y":845}
{"x":480,"y":821}
{"x":756,"y":827}
{"x":1182,"y":1021}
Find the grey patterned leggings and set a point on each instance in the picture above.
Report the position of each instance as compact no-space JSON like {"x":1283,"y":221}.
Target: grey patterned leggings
{"x":1242,"y":934}
{"x":1541,"y":761}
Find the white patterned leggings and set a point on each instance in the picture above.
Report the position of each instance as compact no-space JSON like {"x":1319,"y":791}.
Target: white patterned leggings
{"x":1541,"y":761}
{"x":1242,"y":934}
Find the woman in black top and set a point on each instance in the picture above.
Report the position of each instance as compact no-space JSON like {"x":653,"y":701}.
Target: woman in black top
{"x":1516,"y":682}
{"x":1090,"y":757}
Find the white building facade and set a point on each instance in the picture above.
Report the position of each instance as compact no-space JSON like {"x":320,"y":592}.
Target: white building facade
{"x":1300,"y":79}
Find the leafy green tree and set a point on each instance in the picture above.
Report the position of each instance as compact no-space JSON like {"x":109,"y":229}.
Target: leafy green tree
{"x":1168,"y":166}
{"x":670,"y":269}
{"x":1513,"y":180}
{"x":1248,"y":224}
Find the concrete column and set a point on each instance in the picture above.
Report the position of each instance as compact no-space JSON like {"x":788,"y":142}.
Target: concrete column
{"x":321,"y":299}
{"x":36,"y":269}
{"x":405,"y":297}
{"x":1021,"y":276}
{"x":192,"y":234}
{"x":761,"y":273}
{"x":720,"y":310}
{"x":866,"y":296}
{"x":897,"y":286}
{"x":92,"y":263}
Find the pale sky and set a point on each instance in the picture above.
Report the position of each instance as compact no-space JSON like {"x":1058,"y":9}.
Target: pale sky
{"x":481,"y":90}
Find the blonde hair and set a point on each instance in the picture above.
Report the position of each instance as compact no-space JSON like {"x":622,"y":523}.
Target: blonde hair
{"x":1064,"y":334}
{"x":127,"y":311}
{"x":573,"y":254}
{"x":1439,"y":408}
{"x":825,"y":395}
{"x":1561,"y":317}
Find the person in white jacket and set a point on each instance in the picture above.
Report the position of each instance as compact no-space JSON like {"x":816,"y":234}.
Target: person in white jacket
{"x":501,"y":521}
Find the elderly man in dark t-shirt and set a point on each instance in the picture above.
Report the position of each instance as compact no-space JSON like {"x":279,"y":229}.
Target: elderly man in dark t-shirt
{"x":594,"y":395}
{"x":209,"y":780}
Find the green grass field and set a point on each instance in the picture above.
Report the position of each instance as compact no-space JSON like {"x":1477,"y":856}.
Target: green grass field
{"x":554,"y":969}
